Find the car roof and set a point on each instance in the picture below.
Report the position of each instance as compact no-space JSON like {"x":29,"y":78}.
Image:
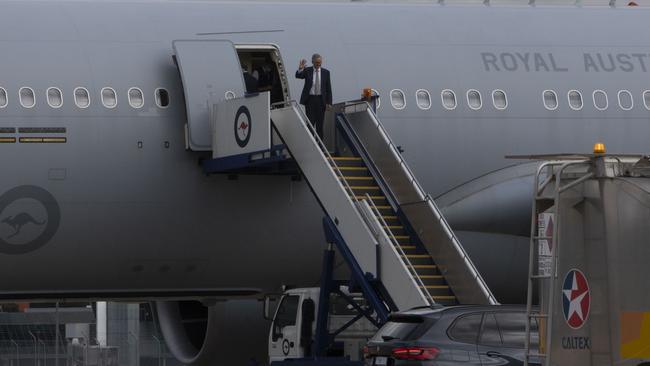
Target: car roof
{"x":462,"y":309}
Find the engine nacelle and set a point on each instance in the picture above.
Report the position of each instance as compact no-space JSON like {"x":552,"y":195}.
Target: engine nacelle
{"x":190,"y":331}
{"x":226,"y":333}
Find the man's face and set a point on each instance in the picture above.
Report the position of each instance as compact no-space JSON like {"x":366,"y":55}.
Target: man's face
{"x":317,"y":62}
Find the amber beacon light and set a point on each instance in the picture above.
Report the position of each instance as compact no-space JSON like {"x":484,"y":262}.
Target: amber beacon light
{"x":367,"y":92}
{"x":599,"y":148}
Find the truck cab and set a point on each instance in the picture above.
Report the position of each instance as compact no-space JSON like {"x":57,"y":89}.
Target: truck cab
{"x":293,"y":329}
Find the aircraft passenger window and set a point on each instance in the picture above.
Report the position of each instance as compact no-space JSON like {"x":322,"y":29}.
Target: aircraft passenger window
{"x":54,"y":97}
{"x":81,"y":97}
{"x":27,"y":98}
{"x":646,"y":99}
{"x":162,"y":98}
{"x":397,"y":99}
{"x":625,"y":100}
{"x":3,"y":98}
{"x":474,"y":99}
{"x":499,"y":99}
{"x":448,"y":99}
{"x":550,"y":100}
{"x":109,"y":98}
{"x":423,"y":99}
{"x":136,"y":99}
{"x":600,"y":100}
{"x":575,"y":100}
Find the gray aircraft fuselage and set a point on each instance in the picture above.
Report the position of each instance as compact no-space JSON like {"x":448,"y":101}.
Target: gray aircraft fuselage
{"x":136,"y":215}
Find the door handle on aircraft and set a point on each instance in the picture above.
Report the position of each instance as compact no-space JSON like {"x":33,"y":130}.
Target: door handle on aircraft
{"x":493,"y":354}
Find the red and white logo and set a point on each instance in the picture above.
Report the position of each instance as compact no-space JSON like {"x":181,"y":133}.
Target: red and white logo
{"x":576,"y":298}
{"x":242,"y":126}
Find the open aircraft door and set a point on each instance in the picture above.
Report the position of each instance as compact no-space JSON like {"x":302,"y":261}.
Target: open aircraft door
{"x":210,"y":72}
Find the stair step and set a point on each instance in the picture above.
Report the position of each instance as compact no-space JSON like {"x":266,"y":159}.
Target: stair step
{"x":391,"y":227}
{"x":357,"y":178}
{"x":434,"y":282}
{"x":408,"y":247}
{"x":374,"y":198}
{"x":345,"y":158}
{"x":435,"y":287}
{"x":390,"y":217}
{"x":420,"y":259}
{"x":383,"y":207}
{"x":363,"y":190}
{"x":425,"y":270}
{"x":444,"y":298}
{"x":353,"y":168}
{"x":402,"y":237}
{"x":353,"y":171}
{"x":390,"y":220}
{"x":431,"y":277}
{"x":417,"y":256}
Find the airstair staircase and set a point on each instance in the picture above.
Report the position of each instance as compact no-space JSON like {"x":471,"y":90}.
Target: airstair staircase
{"x":392,"y":229}
{"x":364,"y":187}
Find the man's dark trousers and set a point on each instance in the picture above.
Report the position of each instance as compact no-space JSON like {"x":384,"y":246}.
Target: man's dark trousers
{"x":315,"y":110}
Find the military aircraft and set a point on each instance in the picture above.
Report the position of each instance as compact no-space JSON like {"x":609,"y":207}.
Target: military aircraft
{"x":102,"y":196}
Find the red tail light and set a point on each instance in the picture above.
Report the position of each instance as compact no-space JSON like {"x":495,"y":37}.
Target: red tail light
{"x":415,"y":353}
{"x":366,"y":351}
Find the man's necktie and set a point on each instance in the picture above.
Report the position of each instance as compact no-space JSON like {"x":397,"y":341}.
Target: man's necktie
{"x":317,"y":86}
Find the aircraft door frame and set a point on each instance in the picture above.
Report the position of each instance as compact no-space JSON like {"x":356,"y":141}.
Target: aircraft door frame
{"x":274,"y":51}
{"x":210,"y":72}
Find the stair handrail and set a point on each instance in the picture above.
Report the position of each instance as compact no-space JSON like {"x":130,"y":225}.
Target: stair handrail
{"x":391,"y":145}
{"x":323,"y":148}
{"x":461,"y":252}
{"x":425,"y":198}
{"x":401,"y":252}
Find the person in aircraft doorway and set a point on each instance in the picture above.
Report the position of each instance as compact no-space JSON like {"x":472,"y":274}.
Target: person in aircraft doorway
{"x":317,"y":92}
{"x":251,"y":82}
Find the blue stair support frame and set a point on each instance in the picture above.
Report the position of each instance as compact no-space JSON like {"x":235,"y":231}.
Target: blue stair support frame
{"x":246,"y":160}
{"x":369,"y":285}
{"x":377,"y":313}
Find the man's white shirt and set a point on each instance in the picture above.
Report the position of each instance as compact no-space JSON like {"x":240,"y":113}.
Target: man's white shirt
{"x":313,"y":82}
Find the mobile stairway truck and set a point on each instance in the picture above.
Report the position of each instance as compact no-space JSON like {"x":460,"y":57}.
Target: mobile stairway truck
{"x":589,"y":261}
{"x":399,"y":249}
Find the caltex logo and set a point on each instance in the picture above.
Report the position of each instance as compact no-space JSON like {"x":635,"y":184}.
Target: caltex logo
{"x":575,"y":298}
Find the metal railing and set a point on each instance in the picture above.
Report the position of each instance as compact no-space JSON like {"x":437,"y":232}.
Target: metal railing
{"x":555,"y":170}
{"x":356,"y":201}
{"x":321,"y":145}
{"x":82,"y":352}
{"x":406,"y":261}
{"x":363,"y":106}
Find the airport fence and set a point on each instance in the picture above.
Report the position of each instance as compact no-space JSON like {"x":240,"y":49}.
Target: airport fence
{"x":139,"y":351}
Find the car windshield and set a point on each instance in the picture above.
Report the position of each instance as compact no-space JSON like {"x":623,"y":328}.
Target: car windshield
{"x":402,"y":328}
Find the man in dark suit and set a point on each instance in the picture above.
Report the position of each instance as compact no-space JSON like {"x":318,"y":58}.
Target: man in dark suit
{"x":317,"y":93}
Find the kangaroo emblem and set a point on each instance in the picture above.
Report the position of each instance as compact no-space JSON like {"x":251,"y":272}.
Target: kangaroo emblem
{"x":17,"y":222}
